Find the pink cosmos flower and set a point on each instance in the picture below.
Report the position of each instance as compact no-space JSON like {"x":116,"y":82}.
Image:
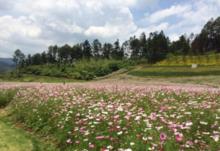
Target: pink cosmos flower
{"x":163,"y":137}
{"x":179,"y":137}
{"x":163,"y":108}
{"x":91,"y":146}
{"x":153,"y":116}
{"x":100,"y":137}
{"x":77,"y":142}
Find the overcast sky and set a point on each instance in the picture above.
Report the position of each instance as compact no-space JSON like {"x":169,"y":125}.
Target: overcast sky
{"x":33,"y":25}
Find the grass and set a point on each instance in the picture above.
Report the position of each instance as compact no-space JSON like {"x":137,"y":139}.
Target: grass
{"x":5,"y":97}
{"x":175,"y":71}
{"x":36,"y":78}
{"x":14,"y":138}
{"x":208,"y":59}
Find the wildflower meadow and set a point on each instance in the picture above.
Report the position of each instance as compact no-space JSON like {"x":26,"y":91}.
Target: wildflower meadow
{"x":120,"y":117}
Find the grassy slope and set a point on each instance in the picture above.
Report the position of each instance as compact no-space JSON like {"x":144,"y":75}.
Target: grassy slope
{"x":172,"y":71}
{"x":163,"y":72}
{"x":35,"y":78}
{"x":13,"y":138}
{"x":209,"y":59}
{"x":140,"y":74}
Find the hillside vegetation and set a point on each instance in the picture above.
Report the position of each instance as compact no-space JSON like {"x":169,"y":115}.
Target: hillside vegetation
{"x":209,"y":59}
{"x":81,"y":70}
{"x":178,"y":71}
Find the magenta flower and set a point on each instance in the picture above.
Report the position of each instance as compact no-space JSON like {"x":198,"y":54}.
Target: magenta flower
{"x":163,"y":137}
{"x":179,"y":137}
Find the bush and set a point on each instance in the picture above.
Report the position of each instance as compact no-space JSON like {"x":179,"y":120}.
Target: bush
{"x":6,"y":97}
{"x":82,"y":70}
{"x":85,"y":75}
{"x":114,"y":66}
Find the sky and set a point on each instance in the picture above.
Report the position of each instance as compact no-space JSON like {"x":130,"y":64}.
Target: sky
{"x":32,"y":26}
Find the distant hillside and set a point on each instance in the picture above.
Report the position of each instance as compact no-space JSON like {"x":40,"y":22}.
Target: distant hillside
{"x":6,"y":64}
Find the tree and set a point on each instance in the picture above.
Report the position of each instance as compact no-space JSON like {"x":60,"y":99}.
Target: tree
{"x":158,"y":45}
{"x":36,"y":59}
{"x":209,"y":38}
{"x":76,"y":52}
{"x":86,"y":48}
{"x":143,"y":45}
{"x":29,"y":60}
{"x":107,"y":49}
{"x":135,"y":48}
{"x":97,"y":48}
{"x":44,"y":57}
{"x":181,"y":46}
{"x":19,"y":59}
{"x":64,"y":53}
{"x":117,"y":52}
{"x":52,"y":54}
{"x":126,"y":49}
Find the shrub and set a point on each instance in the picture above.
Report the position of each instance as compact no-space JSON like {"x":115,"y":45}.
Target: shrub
{"x":85,"y":75}
{"x":83,"y":69}
{"x":114,"y":66}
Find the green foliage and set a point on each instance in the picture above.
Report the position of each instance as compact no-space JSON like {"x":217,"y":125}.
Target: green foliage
{"x":208,"y":59}
{"x":178,"y":71}
{"x":6,"y":97}
{"x":81,"y":70}
{"x":209,"y":38}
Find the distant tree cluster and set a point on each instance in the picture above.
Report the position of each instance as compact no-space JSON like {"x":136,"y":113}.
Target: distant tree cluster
{"x":209,"y":38}
{"x":152,"y":49}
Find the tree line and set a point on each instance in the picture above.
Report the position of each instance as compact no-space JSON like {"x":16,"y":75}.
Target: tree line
{"x":152,"y":49}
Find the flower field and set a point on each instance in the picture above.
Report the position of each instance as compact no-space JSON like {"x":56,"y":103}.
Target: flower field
{"x":121,"y":117}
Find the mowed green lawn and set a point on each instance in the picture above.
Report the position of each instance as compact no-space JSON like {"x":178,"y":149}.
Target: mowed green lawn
{"x":175,"y":71}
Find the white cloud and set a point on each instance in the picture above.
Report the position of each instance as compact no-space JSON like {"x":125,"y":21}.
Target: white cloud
{"x":193,"y":20}
{"x":102,"y":31}
{"x":22,"y":26}
{"x":33,"y":25}
{"x":152,"y":28}
{"x":63,"y":21}
{"x":163,"y":14}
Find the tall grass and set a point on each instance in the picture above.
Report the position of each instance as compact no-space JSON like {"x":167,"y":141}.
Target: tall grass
{"x":6,"y":97}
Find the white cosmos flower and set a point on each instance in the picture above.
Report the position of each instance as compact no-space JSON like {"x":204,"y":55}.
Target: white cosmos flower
{"x":216,"y":138}
{"x":119,"y":133}
{"x":132,"y":143}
